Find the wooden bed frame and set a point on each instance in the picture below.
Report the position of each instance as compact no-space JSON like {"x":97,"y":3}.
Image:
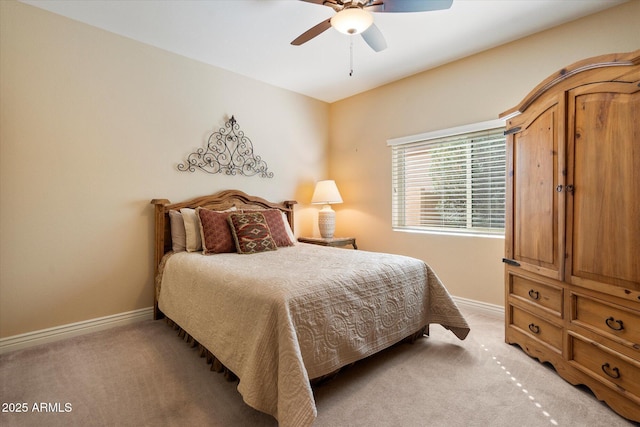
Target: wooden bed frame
{"x":219,"y":201}
{"x":255,"y":373}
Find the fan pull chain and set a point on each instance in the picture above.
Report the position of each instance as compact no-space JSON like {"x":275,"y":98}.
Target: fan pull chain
{"x":351,"y":56}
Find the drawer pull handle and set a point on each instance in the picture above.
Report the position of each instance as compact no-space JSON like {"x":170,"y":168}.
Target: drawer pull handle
{"x":535,"y":329}
{"x":612,"y":372}
{"x":534,"y":294}
{"x":614,"y":324}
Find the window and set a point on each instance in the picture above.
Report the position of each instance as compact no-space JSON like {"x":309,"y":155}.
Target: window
{"x":451,"y":180}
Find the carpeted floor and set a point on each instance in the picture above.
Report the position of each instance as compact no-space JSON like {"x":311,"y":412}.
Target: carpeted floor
{"x":145,"y":375}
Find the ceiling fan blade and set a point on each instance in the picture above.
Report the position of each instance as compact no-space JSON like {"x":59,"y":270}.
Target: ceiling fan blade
{"x":374,"y":38}
{"x":312,"y":32}
{"x":408,"y":5}
{"x":333,"y":4}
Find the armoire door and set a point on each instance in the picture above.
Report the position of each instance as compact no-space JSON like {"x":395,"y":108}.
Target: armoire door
{"x":534,"y":235}
{"x":603,"y":239}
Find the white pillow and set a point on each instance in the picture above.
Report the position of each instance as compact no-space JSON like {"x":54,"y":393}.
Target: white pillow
{"x":192,"y":229}
{"x":287,"y":227}
{"x":178,"y":233}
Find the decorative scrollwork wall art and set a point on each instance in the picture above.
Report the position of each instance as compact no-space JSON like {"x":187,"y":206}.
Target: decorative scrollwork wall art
{"x":228,"y":151}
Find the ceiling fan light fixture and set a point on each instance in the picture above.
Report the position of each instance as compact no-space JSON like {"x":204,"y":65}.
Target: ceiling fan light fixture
{"x":353,"y":20}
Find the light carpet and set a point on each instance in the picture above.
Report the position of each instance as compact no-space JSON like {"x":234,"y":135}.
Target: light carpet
{"x":144,"y":375}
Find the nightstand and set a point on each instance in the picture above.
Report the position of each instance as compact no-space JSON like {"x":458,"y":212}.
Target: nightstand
{"x":334,"y":241}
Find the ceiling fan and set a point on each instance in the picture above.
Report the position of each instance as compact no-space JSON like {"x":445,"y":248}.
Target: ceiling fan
{"x":354,"y":17}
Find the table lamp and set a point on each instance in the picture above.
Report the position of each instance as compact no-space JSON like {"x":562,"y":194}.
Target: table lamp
{"x":326,"y":193}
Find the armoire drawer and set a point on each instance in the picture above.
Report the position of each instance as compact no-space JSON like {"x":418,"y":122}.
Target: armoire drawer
{"x":539,"y":294}
{"x":607,"y":364}
{"x":536,"y":327}
{"x":613,"y":321}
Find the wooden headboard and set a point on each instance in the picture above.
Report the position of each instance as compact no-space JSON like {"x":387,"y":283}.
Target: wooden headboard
{"x":219,"y":201}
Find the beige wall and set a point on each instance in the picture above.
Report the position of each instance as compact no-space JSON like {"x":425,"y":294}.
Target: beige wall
{"x":470,"y":90}
{"x":92,"y":126}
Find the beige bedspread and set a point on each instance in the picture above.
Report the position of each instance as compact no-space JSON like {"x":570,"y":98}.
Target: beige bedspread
{"x":277,"y":319}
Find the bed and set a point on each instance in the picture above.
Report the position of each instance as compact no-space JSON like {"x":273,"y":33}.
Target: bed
{"x":280,"y":317}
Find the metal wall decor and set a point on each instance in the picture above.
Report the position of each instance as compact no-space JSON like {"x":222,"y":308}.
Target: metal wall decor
{"x":228,"y":151}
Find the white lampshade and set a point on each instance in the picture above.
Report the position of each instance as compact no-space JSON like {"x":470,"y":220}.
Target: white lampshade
{"x":326,"y":193}
{"x":352,"y":20}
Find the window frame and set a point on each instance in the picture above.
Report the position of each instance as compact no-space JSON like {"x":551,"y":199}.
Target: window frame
{"x":399,"y":206}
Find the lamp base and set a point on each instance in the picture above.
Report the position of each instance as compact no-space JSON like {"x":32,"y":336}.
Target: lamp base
{"x":327,"y":222}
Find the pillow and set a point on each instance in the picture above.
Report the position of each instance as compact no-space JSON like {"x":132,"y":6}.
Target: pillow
{"x":276,"y":221}
{"x":192,"y":230}
{"x":251,"y":233}
{"x":287,"y":227}
{"x":216,"y":233}
{"x":178,"y":233}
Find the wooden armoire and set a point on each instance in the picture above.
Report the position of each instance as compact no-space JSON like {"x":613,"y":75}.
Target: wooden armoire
{"x":572,"y":232}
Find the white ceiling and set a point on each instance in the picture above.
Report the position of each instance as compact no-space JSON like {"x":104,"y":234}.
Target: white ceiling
{"x":252,"y":37}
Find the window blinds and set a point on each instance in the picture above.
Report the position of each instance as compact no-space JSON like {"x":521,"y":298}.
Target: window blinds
{"x":454,"y":183}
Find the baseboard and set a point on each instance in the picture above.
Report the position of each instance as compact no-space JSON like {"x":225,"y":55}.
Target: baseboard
{"x":44,"y":336}
{"x":30,"y":339}
{"x":486,"y":308}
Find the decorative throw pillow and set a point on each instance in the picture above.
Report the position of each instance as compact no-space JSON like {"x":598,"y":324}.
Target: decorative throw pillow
{"x":274,"y":218}
{"x":178,"y":233}
{"x":192,"y":229}
{"x":216,"y":233}
{"x":251,"y":233}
